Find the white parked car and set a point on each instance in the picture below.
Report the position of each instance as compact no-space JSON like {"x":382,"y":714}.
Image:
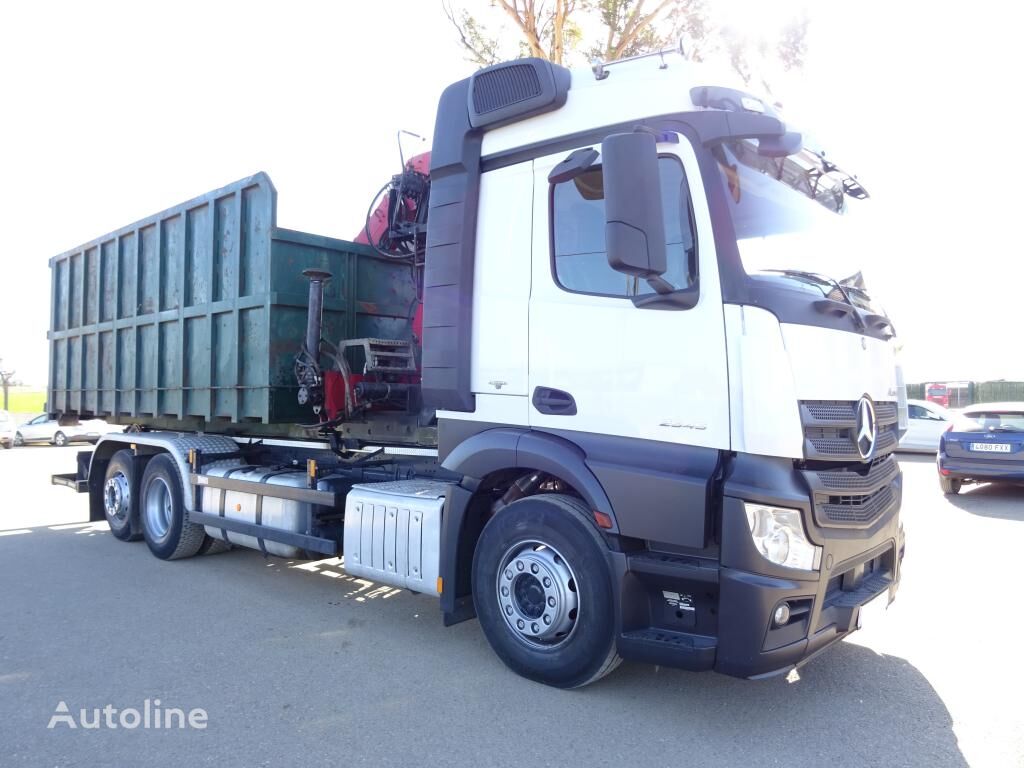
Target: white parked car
{"x":926,"y":421}
{"x":43,"y":429}
{"x":6,"y":430}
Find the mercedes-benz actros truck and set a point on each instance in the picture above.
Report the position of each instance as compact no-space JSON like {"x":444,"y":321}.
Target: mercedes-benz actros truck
{"x":589,"y":376}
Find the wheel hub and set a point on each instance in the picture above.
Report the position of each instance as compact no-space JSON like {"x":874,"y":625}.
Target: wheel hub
{"x":117,"y":496}
{"x":157,"y":508}
{"x":536,"y":592}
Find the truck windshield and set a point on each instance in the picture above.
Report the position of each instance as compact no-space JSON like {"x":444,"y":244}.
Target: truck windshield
{"x":789,"y":213}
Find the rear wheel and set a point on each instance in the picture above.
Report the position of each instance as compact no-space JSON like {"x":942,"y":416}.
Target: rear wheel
{"x":60,"y":439}
{"x":950,"y":485}
{"x":212,"y":546}
{"x":542,"y":591}
{"x":117,"y":498}
{"x":161,"y":506}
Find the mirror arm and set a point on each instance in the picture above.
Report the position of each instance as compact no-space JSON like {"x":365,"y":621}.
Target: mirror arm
{"x":678,"y":299}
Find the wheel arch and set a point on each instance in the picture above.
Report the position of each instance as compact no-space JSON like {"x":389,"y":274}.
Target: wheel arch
{"x":149,"y":444}
{"x":489,"y":461}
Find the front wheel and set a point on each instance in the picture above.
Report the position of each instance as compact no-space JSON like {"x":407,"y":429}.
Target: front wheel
{"x":542,"y":591}
{"x":60,"y":439}
{"x":950,"y":485}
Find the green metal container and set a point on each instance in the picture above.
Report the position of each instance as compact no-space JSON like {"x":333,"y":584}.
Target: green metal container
{"x":192,"y":318}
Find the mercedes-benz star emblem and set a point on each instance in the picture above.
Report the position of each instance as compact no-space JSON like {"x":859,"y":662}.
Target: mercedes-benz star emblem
{"x":867,"y":428}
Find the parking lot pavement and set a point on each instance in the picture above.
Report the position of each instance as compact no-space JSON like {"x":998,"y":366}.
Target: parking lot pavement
{"x":299,"y":664}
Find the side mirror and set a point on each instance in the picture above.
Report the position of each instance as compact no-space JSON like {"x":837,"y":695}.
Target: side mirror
{"x":634,"y":222}
{"x":786,"y":144}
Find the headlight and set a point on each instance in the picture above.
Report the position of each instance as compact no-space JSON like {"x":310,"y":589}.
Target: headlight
{"x":779,"y":536}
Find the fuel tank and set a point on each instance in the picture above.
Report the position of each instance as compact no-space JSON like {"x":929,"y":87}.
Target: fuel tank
{"x":263,"y":510}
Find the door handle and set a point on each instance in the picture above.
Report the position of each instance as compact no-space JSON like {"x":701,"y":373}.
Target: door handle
{"x":553,"y":402}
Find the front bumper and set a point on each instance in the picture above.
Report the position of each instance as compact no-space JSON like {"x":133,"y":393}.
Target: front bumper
{"x":830,"y":610}
{"x":702,"y":612}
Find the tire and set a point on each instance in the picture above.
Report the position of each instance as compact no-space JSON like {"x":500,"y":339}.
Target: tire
{"x":950,"y":485}
{"x":60,"y":439}
{"x":572,"y":641}
{"x":212,"y":546}
{"x":18,"y":440}
{"x":117,"y":498}
{"x":162,"y":512}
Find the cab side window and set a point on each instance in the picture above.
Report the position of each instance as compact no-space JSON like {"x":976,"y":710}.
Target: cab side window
{"x":578,"y":243}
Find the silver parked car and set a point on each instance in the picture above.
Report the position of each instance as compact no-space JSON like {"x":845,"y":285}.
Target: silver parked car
{"x":926,"y":421}
{"x":43,"y":429}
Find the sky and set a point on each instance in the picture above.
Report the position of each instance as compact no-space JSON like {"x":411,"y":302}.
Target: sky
{"x":110,"y":112}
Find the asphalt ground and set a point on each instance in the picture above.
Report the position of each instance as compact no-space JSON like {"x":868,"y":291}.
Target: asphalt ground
{"x":296,"y":663}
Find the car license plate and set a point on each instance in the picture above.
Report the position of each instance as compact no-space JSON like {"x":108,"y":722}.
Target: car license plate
{"x":873,"y":609}
{"x":991,"y":447}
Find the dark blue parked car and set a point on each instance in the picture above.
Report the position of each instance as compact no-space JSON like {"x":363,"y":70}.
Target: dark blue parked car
{"x":985,"y":443}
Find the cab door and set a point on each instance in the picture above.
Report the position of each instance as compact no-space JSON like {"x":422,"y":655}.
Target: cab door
{"x":600,"y":364}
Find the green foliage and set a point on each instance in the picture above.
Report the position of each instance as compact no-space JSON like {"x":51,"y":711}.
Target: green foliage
{"x":24,"y":401}
{"x":614,"y":29}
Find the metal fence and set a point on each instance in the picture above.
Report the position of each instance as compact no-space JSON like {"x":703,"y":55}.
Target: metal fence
{"x":970,"y":392}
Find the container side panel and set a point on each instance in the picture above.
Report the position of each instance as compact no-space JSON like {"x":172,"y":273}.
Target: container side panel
{"x":126,"y":272}
{"x":198,"y":255}
{"x":107,"y":383}
{"x":74,"y":380}
{"x":108,"y":270}
{"x":149,"y":271}
{"x":171,"y":243}
{"x":252,"y":363}
{"x":90,"y":374}
{"x":75,"y":281}
{"x":225,"y":365}
{"x":255,"y":248}
{"x":169,"y":399}
{"x":60,"y":306}
{"x":126,"y":371}
{"x":197,"y":367}
{"x":59,"y":373}
{"x":147,"y":354}
{"x":226,"y":249}
{"x":92,"y":282}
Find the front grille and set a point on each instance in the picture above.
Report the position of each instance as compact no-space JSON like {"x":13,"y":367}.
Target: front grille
{"x":882,"y":470}
{"x":839,"y":444}
{"x":830,"y":428}
{"x":859,"y":509}
{"x":848,"y":492}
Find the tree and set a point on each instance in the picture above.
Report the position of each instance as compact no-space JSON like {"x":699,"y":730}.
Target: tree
{"x":559,"y":30}
{"x":6,"y":379}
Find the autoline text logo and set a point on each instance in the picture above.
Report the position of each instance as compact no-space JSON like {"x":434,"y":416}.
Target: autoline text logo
{"x":150,"y":716}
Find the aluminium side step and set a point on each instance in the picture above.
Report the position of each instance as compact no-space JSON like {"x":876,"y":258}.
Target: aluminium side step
{"x":668,"y":648}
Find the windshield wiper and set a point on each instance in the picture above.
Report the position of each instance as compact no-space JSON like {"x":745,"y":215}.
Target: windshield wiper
{"x":831,"y":281}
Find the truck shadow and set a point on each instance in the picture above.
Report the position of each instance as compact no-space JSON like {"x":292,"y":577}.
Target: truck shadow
{"x":1003,"y":501}
{"x":850,"y":706}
